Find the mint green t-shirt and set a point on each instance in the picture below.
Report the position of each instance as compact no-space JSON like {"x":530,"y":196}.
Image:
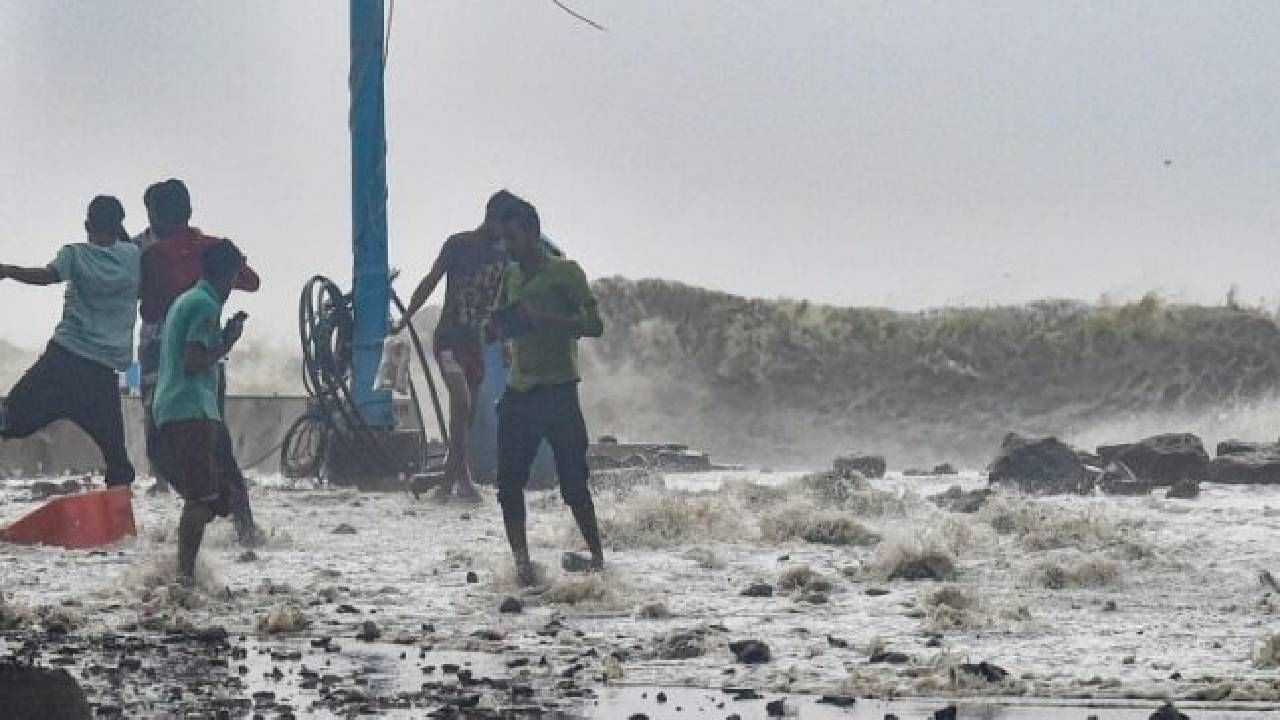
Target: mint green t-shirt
{"x":196,"y":316}
{"x":547,"y":357}
{"x":100,"y":304}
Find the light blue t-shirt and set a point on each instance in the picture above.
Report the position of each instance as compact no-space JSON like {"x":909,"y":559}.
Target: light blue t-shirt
{"x":100,"y":304}
{"x":193,"y":318}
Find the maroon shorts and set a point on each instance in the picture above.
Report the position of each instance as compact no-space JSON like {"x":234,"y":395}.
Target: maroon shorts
{"x":467,"y":357}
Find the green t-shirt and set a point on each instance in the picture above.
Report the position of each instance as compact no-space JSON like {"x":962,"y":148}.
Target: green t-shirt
{"x":194,"y":317}
{"x":100,"y":304}
{"x":547,"y":357}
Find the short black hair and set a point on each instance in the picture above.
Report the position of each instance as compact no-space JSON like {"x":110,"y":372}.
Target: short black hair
{"x":522,"y":214}
{"x":498,"y":204}
{"x":106,"y":214}
{"x":169,"y":199}
{"x":221,"y":261}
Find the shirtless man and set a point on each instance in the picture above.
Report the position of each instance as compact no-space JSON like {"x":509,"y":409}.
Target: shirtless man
{"x":473,"y":262}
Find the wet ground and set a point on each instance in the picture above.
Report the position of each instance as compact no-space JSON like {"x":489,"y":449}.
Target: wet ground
{"x":1111,"y":602}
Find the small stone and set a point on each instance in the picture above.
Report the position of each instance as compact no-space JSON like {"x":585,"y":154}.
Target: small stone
{"x":946,"y":713}
{"x":758,"y":590}
{"x":875,"y":592}
{"x":890,"y":658}
{"x":247,"y":556}
{"x":369,"y":631}
{"x":511,"y":606}
{"x":776,"y":708}
{"x":750,"y":652}
{"x":472,"y":577}
{"x":1110,"y":606}
{"x":344,"y":529}
{"x":1167,"y":712}
{"x":661,"y":697}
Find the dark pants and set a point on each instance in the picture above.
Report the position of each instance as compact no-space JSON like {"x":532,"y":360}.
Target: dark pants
{"x":525,"y":419}
{"x":64,"y":386}
{"x":190,"y":450}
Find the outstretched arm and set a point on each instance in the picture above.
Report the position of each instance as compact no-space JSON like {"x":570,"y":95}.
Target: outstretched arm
{"x":30,"y":275}
{"x":422,"y":293}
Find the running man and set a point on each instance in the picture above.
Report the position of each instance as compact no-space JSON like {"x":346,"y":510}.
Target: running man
{"x":170,"y":267}
{"x":473,"y":261}
{"x":544,"y":306}
{"x":75,"y":379}
{"x":185,"y":405}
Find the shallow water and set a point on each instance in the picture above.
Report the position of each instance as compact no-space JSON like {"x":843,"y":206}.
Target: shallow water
{"x":1188,"y":612}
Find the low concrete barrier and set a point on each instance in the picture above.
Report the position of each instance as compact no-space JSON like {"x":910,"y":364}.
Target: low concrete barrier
{"x":257,"y":424}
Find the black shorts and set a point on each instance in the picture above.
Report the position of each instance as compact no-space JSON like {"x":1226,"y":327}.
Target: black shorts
{"x":191,"y":454}
{"x":525,"y":419}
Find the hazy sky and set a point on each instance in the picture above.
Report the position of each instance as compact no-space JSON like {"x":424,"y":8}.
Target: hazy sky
{"x":897,"y":153}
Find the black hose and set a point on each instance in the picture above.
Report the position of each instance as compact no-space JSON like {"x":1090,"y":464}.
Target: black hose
{"x":325,"y":326}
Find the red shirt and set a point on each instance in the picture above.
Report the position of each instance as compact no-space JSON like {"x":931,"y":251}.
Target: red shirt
{"x":172,"y":266}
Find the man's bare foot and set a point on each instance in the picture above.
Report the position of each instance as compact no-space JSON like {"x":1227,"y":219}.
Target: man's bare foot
{"x":578,"y":563}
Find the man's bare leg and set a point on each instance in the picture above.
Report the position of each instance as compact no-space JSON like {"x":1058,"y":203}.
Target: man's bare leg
{"x":457,"y":469}
{"x":195,"y":515}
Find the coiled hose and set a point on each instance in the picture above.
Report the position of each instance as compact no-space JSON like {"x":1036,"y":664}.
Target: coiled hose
{"x":325,"y":326}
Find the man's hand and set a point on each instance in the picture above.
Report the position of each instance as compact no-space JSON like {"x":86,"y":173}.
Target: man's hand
{"x":232,"y":331}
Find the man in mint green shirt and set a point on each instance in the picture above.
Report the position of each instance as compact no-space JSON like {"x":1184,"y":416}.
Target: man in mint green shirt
{"x":185,"y":404}
{"x":544,"y":306}
{"x":75,"y":379}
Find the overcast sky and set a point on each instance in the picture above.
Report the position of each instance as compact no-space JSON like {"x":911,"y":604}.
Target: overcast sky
{"x":898,"y":153}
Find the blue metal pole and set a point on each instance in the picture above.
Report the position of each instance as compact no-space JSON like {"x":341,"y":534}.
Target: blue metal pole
{"x":371,"y":286}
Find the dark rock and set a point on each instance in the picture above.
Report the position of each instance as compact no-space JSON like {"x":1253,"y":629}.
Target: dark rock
{"x":1168,"y":712}
{"x":889,"y":657}
{"x":1162,"y":460}
{"x":836,"y":642}
{"x":945,"y":469}
{"x":1184,"y":490}
{"x":776,"y":708}
{"x":875,"y":592}
{"x":986,"y":671}
{"x":661,"y":697}
{"x":1242,"y":447}
{"x":959,"y":500}
{"x":638,"y":716}
{"x":869,"y":466}
{"x":472,"y":578}
{"x":1258,"y":467}
{"x":840,"y":701}
{"x":1041,"y":465}
{"x":31,"y":693}
{"x":946,"y":713}
{"x":750,"y":652}
{"x":346,"y":609}
{"x":369,"y":631}
{"x":344,"y":529}
{"x":758,"y":590}
{"x":511,"y":605}
{"x":1118,"y":479}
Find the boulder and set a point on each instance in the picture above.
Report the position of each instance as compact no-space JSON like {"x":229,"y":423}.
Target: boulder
{"x":869,"y":466}
{"x":959,"y":500}
{"x":1162,"y":460}
{"x":1040,"y":465}
{"x":1259,"y":467}
{"x":1184,"y":490}
{"x":32,"y":693}
{"x":1242,"y":447}
{"x":1118,"y":479}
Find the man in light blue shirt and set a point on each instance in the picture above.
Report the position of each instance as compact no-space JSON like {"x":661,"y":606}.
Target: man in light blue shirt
{"x":75,"y":379}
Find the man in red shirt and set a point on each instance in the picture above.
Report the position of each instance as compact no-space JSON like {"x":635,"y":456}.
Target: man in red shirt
{"x":171,"y":266}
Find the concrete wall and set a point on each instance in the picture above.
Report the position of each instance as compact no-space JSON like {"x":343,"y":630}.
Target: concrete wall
{"x":257,"y":425}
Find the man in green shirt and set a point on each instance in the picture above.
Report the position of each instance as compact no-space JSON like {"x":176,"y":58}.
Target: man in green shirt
{"x":185,"y":404}
{"x":75,"y":379}
{"x":543,"y":307}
